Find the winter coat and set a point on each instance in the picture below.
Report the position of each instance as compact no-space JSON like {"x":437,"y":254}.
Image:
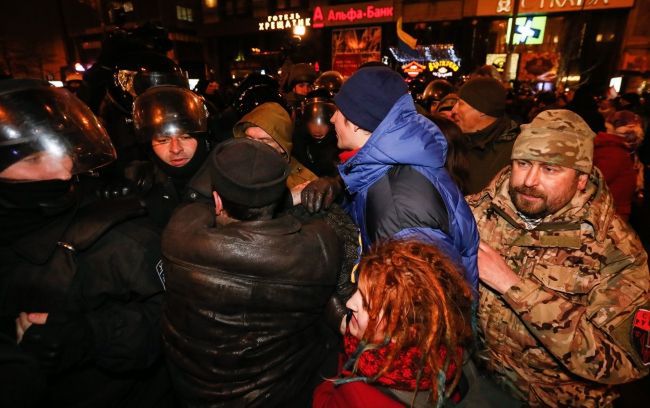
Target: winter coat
{"x":615,"y":159}
{"x":565,"y":334}
{"x":98,"y":265}
{"x":245,"y":302}
{"x":397,"y":186}
{"x":489,"y":152}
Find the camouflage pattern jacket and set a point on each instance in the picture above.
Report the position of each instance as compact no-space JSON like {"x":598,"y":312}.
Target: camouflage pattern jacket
{"x":563,"y":336}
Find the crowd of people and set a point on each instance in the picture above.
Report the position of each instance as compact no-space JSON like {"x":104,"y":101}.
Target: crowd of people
{"x":318,"y":241}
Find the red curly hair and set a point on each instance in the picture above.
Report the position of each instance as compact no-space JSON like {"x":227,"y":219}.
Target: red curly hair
{"x":417,"y":297}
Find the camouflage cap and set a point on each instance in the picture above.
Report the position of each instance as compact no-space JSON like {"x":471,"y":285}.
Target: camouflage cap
{"x":557,"y":136}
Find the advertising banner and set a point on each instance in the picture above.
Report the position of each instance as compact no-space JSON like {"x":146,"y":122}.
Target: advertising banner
{"x":352,"y":47}
{"x":539,"y":66}
{"x":504,"y":7}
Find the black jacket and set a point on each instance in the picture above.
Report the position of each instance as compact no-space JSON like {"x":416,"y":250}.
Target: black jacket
{"x":244,"y":306}
{"x":489,"y":152}
{"x":99,"y":265}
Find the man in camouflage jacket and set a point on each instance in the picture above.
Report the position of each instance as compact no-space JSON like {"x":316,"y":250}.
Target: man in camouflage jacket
{"x":563,"y":309}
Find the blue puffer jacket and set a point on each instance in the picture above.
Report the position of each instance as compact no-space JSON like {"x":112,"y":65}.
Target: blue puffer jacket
{"x":407,"y":139}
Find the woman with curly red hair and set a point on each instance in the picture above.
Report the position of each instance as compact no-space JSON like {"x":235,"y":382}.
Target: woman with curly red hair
{"x":409,"y":321}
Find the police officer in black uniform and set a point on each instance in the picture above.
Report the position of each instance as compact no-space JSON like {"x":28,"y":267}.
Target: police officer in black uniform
{"x":172,"y":125}
{"x":81,"y":282}
{"x":314,"y":140}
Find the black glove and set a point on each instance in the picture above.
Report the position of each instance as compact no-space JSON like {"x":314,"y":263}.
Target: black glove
{"x":137,"y":178}
{"x":64,"y":341}
{"x":321,"y":193}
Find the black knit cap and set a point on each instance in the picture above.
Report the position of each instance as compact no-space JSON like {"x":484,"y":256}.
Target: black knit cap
{"x":248,"y":172}
{"x":368,"y":95}
{"x":486,"y":95}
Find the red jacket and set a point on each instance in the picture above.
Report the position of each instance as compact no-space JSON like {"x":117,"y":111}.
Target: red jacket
{"x":351,"y":395}
{"x":615,"y":160}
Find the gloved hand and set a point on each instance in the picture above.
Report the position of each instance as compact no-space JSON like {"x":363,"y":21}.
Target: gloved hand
{"x":115,"y":189}
{"x":65,"y":340}
{"x":136,"y":179}
{"x":321,"y":193}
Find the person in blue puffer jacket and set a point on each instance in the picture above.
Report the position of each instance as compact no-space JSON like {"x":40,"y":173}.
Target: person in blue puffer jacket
{"x":396,"y":185}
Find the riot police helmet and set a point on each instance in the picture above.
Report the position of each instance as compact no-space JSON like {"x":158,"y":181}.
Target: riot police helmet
{"x":255,"y":90}
{"x":301,"y":73}
{"x":330,"y":80}
{"x":435,"y":91}
{"x":318,"y":107}
{"x":46,"y":132}
{"x":167,"y":111}
{"x":135,"y":73}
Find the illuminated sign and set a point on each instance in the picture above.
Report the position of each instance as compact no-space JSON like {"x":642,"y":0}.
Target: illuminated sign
{"x":413,"y":69}
{"x":504,"y":7}
{"x":360,"y":13}
{"x":443,"y":68}
{"x":499,"y":61}
{"x":283,"y":21}
{"x":528,"y":30}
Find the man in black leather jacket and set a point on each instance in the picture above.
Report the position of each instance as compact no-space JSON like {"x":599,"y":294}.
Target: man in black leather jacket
{"x":248,"y":288}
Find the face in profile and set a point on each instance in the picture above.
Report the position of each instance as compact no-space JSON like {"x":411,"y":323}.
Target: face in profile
{"x":39,"y":166}
{"x":466,"y":117}
{"x":538,"y":189}
{"x":359,"y":319}
{"x":175,"y":151}
{"x":347,"y":138}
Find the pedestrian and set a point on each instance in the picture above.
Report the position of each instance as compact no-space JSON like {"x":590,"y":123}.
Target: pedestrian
{"x":407,"y":327}
{"x":480,"y":114}
{"x":248,"y":287}
{"x":395,"y":181}
{"x":563,"y":305}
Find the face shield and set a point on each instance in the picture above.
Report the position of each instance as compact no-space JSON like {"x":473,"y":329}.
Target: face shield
{"x":166,"y":111}
{"x":50,"y":125}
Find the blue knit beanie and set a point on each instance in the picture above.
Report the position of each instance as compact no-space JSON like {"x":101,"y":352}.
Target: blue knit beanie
{"x":368,"y":95}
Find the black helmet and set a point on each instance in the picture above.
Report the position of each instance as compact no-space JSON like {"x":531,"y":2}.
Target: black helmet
{"x":318,"y":107}
{"x":302,"y":72}
{"x":135,"y":73}
{"x":168,"y":111}
{"x":38,"y":118}
{"x":255,"y":90}
{"x":330,"y":80}
{"x":437,"y":89}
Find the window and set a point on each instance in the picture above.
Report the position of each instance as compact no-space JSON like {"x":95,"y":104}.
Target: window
{"x":184,"y":14}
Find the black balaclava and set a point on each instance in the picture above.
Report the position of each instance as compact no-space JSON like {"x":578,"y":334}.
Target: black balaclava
{"x":28,"y":207}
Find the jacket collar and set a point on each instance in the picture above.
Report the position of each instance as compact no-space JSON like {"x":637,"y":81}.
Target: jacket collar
{"x":503,"y":129}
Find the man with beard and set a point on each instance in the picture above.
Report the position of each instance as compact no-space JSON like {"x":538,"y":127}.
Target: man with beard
{"x":563,"y":310}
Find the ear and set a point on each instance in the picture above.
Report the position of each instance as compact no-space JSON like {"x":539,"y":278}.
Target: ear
{"x":583,"y":178}
{"x":218,"y":204}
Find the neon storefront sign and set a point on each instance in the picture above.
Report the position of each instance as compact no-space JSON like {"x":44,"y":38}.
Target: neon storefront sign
{"x":360,"y":13}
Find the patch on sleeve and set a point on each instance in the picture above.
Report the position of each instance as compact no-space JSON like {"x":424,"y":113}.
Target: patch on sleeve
{"x":161,"y":273}
{"x":641,"y":334}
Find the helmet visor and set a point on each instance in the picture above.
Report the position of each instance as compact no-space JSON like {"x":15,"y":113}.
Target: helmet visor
{"x":52,"y":123}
